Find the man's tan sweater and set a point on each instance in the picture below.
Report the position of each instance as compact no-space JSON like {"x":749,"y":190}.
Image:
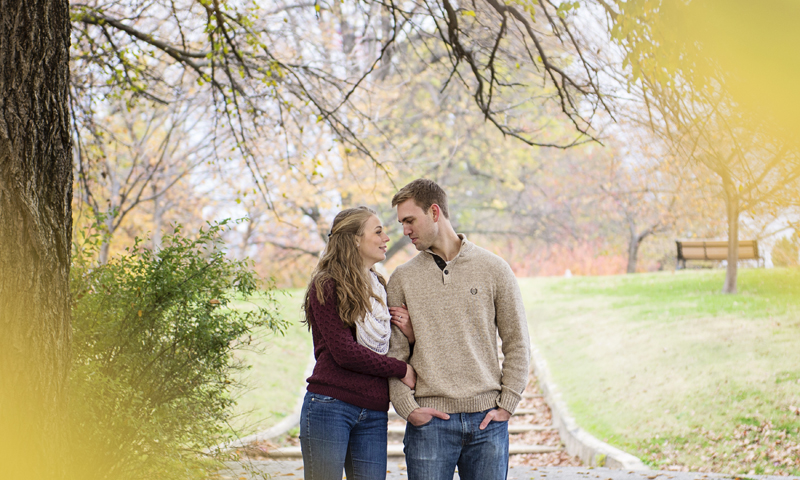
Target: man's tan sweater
{"x":457,"y":313}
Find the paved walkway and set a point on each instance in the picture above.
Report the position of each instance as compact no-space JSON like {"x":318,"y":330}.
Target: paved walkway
{"x":532,"y":425}
{"x":396,"y":471}
{"x":534,"y":442}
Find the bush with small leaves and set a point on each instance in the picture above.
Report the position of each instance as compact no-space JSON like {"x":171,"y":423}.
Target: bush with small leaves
{"x":154,"y":337}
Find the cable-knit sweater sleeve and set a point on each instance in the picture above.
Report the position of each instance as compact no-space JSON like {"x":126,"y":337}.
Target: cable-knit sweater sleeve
{"x":345,"y":350}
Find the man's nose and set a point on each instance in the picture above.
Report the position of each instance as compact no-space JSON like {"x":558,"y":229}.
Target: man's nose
{"x":406,"y":230}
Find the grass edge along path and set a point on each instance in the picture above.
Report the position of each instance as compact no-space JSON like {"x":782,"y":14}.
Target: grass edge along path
{"x":278,"y":362}
{"x":668,"y":369}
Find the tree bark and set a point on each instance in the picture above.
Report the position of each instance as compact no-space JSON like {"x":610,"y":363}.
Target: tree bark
{"x":732,"y":207}
{"x":35,"y":235}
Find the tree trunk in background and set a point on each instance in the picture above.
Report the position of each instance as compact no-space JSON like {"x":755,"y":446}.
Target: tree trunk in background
{"x":732,"y":207}
{"x":108,"y":234}
{"x":109,"y":220}
{"x":386,"y":32}
{"x":633,"y":247}
{"x":35,"y":235}
{"x":396,"y":246}
{"x":158,"y":221}
{"x":346,"y":30}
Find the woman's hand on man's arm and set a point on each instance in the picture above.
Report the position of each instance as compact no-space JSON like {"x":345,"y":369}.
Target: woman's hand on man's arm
{"x":402,"y":320}
{"x":411,"y":377}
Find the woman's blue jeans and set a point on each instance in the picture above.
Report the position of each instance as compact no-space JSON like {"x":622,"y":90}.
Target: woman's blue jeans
{"x":336,"y":436}
{"x":435,"y":449}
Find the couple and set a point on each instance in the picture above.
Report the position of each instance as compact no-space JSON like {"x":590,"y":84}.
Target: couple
{"x":443,"y":372}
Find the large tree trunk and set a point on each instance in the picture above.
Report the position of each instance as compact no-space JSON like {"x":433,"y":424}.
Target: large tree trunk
{"x":732,"y":207}
{"x":35,"y":235}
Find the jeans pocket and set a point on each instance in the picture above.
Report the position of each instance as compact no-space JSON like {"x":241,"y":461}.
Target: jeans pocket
{"x":316,"y":397}
{"x":424,"y":424}
{"x":483,"y":414}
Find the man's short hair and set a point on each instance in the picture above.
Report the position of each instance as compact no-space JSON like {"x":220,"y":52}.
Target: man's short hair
{"x":425,"y":193}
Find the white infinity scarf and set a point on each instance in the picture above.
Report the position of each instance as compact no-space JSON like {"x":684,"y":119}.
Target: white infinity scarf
{"x":375,"y":328}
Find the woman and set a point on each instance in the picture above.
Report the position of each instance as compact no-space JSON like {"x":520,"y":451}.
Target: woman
{"x":343,"y":422}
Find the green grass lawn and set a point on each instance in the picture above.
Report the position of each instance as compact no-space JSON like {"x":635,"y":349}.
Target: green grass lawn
{"x":276,"y":378}
{"x":668,"y":368}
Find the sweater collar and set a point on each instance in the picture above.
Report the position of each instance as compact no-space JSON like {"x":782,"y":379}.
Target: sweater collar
{"x":466,"y":246}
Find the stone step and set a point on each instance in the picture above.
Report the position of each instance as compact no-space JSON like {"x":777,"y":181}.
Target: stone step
{"x":520,"y":449}
{"x":512,"y":429}
{"x":525,"y":411}
{"x":531,"y":395}
{"x":396,"y":450}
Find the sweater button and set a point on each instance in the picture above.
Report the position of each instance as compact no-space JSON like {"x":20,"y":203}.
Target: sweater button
{"x":446,"y":272}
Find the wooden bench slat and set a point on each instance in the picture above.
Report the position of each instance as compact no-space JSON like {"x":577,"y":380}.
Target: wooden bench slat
{"x":714,"y":250}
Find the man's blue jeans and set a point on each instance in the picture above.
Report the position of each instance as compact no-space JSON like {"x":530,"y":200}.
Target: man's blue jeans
{"x":335,"y":434}
{"x":434,"y":449}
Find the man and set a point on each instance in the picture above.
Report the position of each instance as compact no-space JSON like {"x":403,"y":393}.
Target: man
{"x":459,"y":297}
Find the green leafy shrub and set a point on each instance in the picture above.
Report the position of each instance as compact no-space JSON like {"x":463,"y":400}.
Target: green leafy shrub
{"x":153,"y":354}
{"x":785,"y":252}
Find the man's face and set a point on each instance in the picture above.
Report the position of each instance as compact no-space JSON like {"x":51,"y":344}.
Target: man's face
{"x":418,"y":224}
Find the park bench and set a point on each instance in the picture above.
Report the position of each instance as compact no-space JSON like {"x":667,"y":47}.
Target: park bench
{"x":713,"y":250}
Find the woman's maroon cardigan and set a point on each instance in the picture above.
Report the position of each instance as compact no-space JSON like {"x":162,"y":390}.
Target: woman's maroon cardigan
{"x":346,"y":370}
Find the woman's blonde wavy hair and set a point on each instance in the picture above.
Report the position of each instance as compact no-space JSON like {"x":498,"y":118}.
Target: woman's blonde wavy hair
{"x":342,"y":263}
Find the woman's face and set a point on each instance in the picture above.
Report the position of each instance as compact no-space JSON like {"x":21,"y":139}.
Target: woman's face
{"x":372,"y":244}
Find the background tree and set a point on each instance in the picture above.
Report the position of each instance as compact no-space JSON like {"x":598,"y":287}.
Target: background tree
{"x":785,"y":252}
{"x":129,"y":157}
{"x":695,"y":104}
{"x":261,"y":72}
{"x":751,"y":165}
{"x":646,"y":189}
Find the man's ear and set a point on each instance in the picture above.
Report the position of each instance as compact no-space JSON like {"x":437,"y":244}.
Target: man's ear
{"x":436,"y":211}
